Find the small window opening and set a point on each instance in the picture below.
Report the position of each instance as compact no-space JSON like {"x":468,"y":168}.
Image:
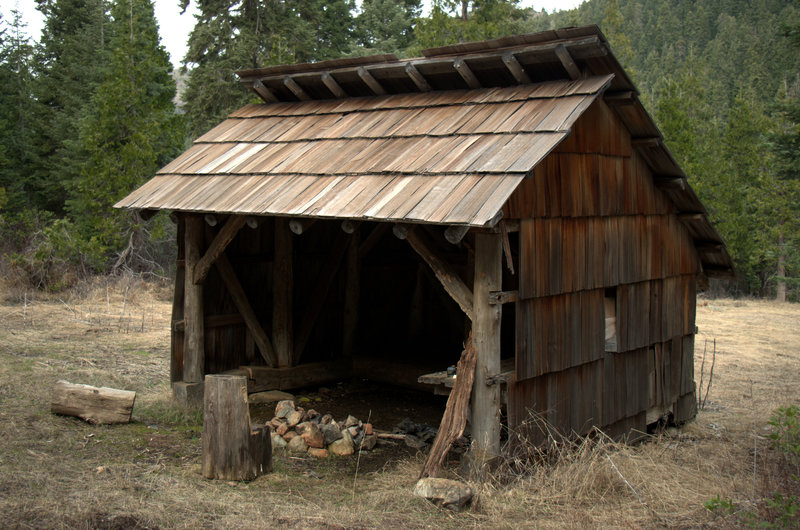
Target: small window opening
{"x":611,"y":319}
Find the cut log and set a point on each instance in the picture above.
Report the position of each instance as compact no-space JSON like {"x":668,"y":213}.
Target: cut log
{"x":232,"y":448}
{"x":92,"y":404}
{"x":454,"y":418}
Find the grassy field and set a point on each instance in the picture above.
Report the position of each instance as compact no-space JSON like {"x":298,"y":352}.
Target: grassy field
{"x":61,"y":472}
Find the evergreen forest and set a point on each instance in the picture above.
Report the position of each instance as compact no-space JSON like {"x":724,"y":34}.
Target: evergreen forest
{"x":89,"y":111}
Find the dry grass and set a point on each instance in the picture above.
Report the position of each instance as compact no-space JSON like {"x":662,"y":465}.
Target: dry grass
{"x":61,"y":472}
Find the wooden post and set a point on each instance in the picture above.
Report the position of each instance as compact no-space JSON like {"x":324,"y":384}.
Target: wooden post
{"x":190,"y":391}
{"x":232,"y":448}
{"x":486,"y":339}
{"x":282,"y":330}
{"x":351,"y":294}
{"x":176,"y":358}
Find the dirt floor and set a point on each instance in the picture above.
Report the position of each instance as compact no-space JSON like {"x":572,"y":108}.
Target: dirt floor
{"x":59,"y":472}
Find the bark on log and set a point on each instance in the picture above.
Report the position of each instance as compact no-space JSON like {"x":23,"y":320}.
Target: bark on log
{"x":232,"y":448}
{"x":92,"y":404}
{"x":454,"y":418}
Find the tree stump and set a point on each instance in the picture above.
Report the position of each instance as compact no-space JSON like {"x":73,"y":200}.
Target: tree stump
{"x":232,"y":448}
{"x":92,"y":404}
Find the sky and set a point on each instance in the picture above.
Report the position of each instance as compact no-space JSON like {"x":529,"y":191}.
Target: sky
{"x":175,"y":28}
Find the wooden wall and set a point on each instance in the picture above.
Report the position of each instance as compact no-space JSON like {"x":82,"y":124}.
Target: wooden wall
{"x":593,"y":225}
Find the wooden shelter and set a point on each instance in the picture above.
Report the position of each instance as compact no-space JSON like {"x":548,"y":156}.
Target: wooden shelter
{"x":371,"y":211}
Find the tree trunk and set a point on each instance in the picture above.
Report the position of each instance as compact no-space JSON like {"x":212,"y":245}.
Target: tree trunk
{"x":92,"y":404}
{"x":781,"y":273}
{"x":232,"y":448}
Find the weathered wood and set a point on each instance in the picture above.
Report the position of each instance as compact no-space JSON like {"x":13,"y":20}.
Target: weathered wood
{"x":260,"y":378}
{"x":213,"y":321}
{"x":263,"y":92}
{"x":319,"y":293}
{"x":351,"y":295}
{"x":252,"y":221}
{"x":233,"y":449}
{"x":619,"y":98}
{"x":92,"y":404}
{"x":194,"y":333}
{"x":503,"y":297}
{"x":519,"y":73}
{"x":239,"y":298}
{"x":147,"y":214}
{"x":282,"y":294}
{"x":176,"y":350}
{"x":567,"y":62}
{"x":507,"y":247}
{"x":348,"y":226}
{"x":400,"y":231}
{"x":671,"y":183}
{"x":370,"y":81}
{"x":417,"y":77}
{"x":217,"y":247}
{"x":372,"y":239}
{"x":296,"y":89}
{"x":466,"y":73}
{"x":448,"y":277}
{"x":211,"y":219}
{"x":486,"y":338}
{"x":455,"y":414}
{"x":298,"y":226}
{"x":335,"y":88}
{"x":454,"y":234}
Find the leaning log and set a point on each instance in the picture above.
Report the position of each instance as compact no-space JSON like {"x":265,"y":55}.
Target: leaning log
{"x":232,"y":448}
{"x":92,"y":404}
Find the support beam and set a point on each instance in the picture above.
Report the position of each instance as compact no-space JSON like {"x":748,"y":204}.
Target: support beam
{"x":507,"y":247}
{"x":417,"y":77}
{"x":252,"y":221}
{"x":370,"y":81}
{"x":348,"y":226}
{"x":333,"y":86}
{"x":646,"y":141}
{"x":619,"y":98}
{"x":448,"y":277}
{"x":519,"y":73}
{"x":567,"y":62}
{"x":486,"y":338}
{"x":352,"y":293}
{"x":503,"y":297}
{"x":454,"y":234}
{"x":466,"y":73}
{"x":217,"y":247}
{"x":298,"y":226}
{"x":282,"y":294}
{"x":690,"y":217}
{"x":245,"y":309}
{"x":670,"y":183}
{"x":146,"y":215}
{"x":194,"y":332}
{"x":263,"y":92}
{"x":319,"y":294}
{"x":296,"y":89}
{"x":372,"y":239}
{"x":400,"y":231}
{"x":709,"y":247}
{"x":211,"y":219}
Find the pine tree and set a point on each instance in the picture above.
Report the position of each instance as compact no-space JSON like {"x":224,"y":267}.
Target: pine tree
{"x":453,"y":21}
{"x":386,"y":26}
{"x":69,"y":67}
{"x":130,"y":131}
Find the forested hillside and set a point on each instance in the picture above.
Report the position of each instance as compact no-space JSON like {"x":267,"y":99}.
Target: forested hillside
{"x":87,"y":113}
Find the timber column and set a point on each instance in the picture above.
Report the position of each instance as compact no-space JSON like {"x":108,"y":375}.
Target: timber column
{"x":190,"y":390}
{"x":486,"y":339}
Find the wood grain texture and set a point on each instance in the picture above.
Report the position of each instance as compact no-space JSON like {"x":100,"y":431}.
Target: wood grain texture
{"x":92,"y":404}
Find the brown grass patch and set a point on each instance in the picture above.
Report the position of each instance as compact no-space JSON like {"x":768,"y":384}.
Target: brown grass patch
{"x":62,"y":473}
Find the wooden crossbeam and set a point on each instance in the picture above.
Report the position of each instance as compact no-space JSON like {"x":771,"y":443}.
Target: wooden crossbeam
{"x":567,"y":62}
{"x":296,"y":89}
{"x":370,"y":81}
{"x":619,"y":98}
{"x":335,"y":88}
{"x":217,"y":247}
{"x":690,"y":217}
{"x":263,"y":92}
{"x":519,"y":73}
{"x":503,"y":297}
{"x":242,"y":304}
{"x":147,"y":214}
{"x":444,"y":272}
{"x":319,"y":293}
{"x":466,"y":73}
{"x":348,"y":226}
{"x":417,"y":77}
{"x":298,"y":226}
{"x":454,"y":234}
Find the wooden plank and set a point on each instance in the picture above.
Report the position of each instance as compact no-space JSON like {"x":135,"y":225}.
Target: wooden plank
{"x":296,"y":89}
{"x":260,"y":378}
{"x":217,"y":247}
{"x":319,"y":293}
{"x":193,"y":335}
{"x":370,"y":81}
{"x":448,"y":277}
{"x":567,"y":62}
{"x":263,"y":92}
{"x":176,"y":350}
{"x":333,"y":86}
{"x":513,"y":65}
{"x":503,"y":297}
{"x":486,"y":338}
{"x":282,"y":293}
{"x":417,"y":77}
{"x":242,"y":304}
{"x":466,"y":73}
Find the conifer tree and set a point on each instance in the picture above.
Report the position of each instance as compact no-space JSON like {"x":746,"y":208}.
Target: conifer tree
{"x":386,"y":26}
{"x":130,"y":130}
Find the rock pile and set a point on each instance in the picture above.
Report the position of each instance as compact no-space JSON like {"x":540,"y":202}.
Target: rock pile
{"x":307,"y":431}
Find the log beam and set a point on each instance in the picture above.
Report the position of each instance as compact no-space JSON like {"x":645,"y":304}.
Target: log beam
{"x":567,"y":62}
{"x":448,"y":277}
{"x":486,"y":338}
{"x":296,"y":89}
{"x":331,"y":84}
{"x":194,"y":332}
{"x":263,"y":92}
{"x":245,"y":309}
{"x":466,"y":73}
{"x":454,"y":234}
{"x":370,"y":81}
{"x":282,"y":293}
{"x":519,"y":73}
{"x":217,"y":247}
{"x":298,"y":226}
{"x":417,"y":77}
